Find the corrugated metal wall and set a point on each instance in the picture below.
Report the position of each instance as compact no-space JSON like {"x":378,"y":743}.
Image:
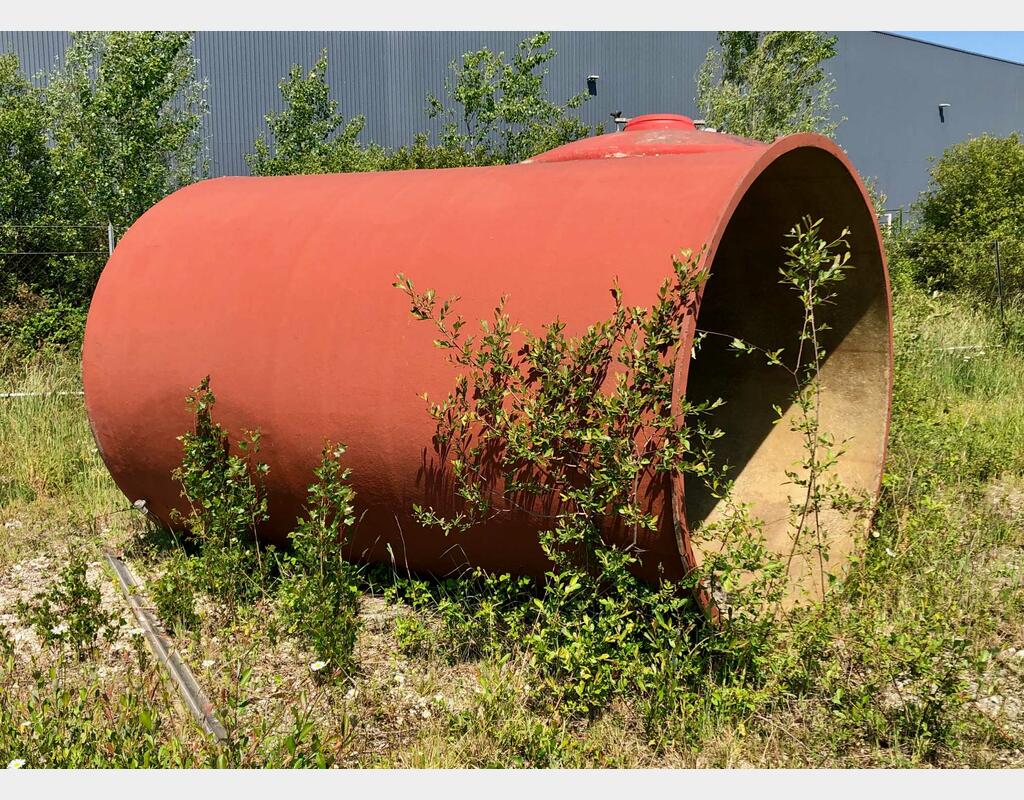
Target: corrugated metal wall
{"x":386,"y":76}
{"x":888,"y":89}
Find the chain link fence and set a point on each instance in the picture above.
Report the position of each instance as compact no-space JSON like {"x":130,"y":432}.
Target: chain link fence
{"x":47,"y":275}
{"x":990,"y":271}
{"x":58,"y":261}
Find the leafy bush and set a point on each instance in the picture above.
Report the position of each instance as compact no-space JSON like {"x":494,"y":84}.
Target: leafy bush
{"x":70,"y":612}
{"x":537,"y":416}
{"x":125,"y":112}
{"x":497,"y":112}
{"x":59,"y":724}
{"x":115,"y":130}
{"x":975,"y":198}
{"x":33,"y":322}
{"x":318,"y":595}
{"x":173,"y":593}
{"x":26,"y":174}
{"x":536,"y":420}
{"x":493,"y":112}
{"x":228,"y":504}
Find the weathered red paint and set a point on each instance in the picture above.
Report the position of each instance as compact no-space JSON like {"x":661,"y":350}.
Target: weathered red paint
{"x":281,"y":289}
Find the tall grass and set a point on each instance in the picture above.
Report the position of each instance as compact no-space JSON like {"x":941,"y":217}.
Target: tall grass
{"x":51,"y":475}
{"x":901,"y":666}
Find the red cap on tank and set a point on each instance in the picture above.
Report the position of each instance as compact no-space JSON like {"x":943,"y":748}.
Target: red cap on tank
{"x":647,"y":135}
{"x":660,"y":122}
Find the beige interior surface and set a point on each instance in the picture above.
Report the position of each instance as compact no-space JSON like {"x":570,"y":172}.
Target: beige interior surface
{"x":745,"y":299}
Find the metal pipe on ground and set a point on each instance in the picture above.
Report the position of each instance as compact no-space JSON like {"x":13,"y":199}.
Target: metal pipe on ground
{"x":177,"y":671}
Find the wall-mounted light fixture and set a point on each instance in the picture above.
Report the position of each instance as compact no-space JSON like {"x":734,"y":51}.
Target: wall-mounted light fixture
{"x":942,"y":111}
{"x":592,"y":85}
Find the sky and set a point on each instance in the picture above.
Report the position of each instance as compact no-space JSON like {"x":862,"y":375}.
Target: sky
{"x":1001,"y":44}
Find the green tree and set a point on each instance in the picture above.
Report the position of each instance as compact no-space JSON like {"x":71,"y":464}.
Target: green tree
{"x":26,"y":175}
{"x":125,"y":109}
{"x":494,"y":111}
{"x":498,"y":111}
{"x":763,"y":84}
{"x":309,"y":136}
{"x":25,"y":171}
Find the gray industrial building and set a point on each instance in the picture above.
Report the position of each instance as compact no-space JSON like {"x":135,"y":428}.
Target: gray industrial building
{"x":889,"y":88}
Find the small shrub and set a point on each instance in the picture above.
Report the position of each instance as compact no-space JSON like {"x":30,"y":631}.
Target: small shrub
{"x":70,"y":612}
{"x":537,"y":415}
{"x":228,"y":500}
{"x":173,"y":593}
{"x":318,"y":595}
{"x":764,"y":84}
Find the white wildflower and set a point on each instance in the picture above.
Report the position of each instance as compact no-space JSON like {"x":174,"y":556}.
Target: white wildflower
{"x":59,"y":630}
{"x":316,"y":666}
{"x":890,"y":552}
{"x":17,"y":763}
{"x":426,"y":713}
{"x":207,"y":663}
{"x":135,"y":632}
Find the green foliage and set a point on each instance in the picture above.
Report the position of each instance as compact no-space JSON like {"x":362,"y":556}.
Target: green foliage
{"x":115,"y":130}
{"x":543,"y":419}
{"x":25,"y":172}
{"x":173,"y":594}
{"x":461,"y":619}
{"x":33,"y":321}
{"x":125,"y":112}
{"x":318,"y":595}
{"x":812,"y":268}
{"x":309,"y":135}
{"x":497,"y":111}
{"x":315,"y":589}
{"x":766,"y":84}
{"x":976,"y":189}
{"x":70,"y":613}
{"x":494,"y":112}
{"x":226,"y":494}
{"x":62,"y":725}
{"x":974,"y":198}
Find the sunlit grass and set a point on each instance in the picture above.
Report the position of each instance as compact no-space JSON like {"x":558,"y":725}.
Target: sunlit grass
{"x":51,"y":475}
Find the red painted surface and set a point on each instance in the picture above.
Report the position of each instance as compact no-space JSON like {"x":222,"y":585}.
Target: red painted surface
{"x":281,"y":289}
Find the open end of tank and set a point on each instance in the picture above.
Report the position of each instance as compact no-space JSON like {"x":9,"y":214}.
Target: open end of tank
{"x":744,"y":298}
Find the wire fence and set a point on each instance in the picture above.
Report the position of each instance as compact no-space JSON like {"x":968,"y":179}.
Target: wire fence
{"x":990,"y":271}
{"x":61,"y":261}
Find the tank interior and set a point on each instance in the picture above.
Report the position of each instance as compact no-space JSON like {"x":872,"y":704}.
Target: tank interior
{"x":744,"y":298}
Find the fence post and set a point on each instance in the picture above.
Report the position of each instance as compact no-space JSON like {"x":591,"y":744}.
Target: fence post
{"x":999,"y":288}
{"x":110,"y":237}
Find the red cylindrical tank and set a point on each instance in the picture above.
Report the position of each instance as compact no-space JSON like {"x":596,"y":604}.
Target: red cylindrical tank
{"x":281,"y":289}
